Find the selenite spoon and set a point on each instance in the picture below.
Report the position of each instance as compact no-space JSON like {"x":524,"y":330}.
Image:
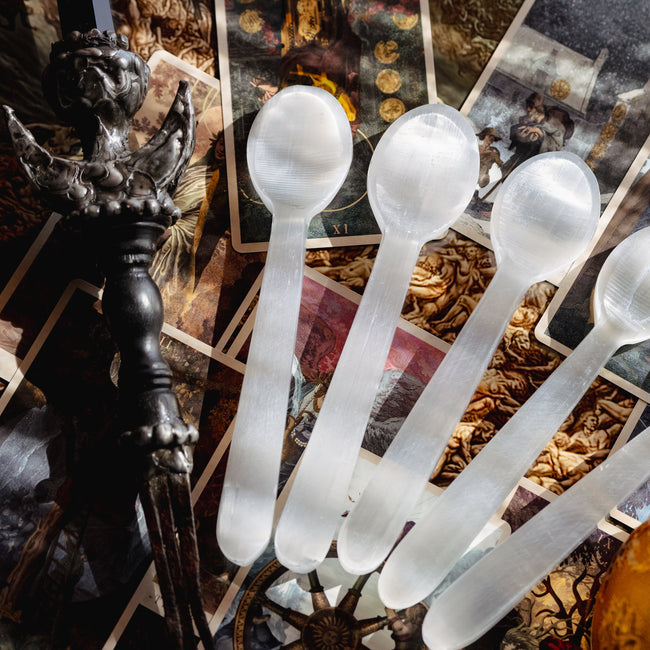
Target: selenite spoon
{"x":621,"y":305}
{"x":543,"y":218}
{"x":299,"y":152}
{"x":487,"y":591}
{"x":420,"y":179}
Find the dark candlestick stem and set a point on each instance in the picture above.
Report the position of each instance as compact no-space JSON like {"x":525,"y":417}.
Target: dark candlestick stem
{"x":84,"y":15}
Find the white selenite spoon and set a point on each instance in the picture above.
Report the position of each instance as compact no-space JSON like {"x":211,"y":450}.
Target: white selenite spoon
{"x":487,"y":591}
{"x":420,"y":179}
{"x":621,"y":305}
{"x":543,"y":218}
{"x":299,"y":152}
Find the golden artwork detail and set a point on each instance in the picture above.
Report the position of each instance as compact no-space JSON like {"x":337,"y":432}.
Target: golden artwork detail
{"x":386,"y":52}
{"x":619,"y":112}
{"x":608,"y":132}
{"x":251,"y":21}
{"x":560,"y":89}
{"x":389,"y":81}
{"x":598,"y":150}
{"x":308,"y":19}
{"x":406,"y":22}
{"x":392,"y":108}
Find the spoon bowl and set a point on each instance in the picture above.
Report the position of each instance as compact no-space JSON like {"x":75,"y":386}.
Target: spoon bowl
{"x":423,"y":172}
{"x":622,"y":292}
{"x":543,"y":216}
{"x":299,"y":152}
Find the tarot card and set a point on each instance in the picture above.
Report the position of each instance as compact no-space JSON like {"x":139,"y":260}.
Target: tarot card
{"x":636,"y":508}
{"x":236,"y":335}
{"x":449,"y":279}
{"x":569,"y":317}
{"x":557,"y":613}
{"x":281,"y":608}
{"x":202,"y":279}
{"x":464,"y":34}
{"x":47,"y":266}
{"x":375,"y":57}
{"x":585,"y":438}
{"x":555,"y":83}
{"x":11,"y":334}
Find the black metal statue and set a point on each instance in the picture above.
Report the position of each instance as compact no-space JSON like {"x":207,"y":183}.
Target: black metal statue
{"x":123,"y":200}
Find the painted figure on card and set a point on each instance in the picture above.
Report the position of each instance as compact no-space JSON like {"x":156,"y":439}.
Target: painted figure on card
{"x":488,"y":154}
{"x":540,"y":129}
{"x":441,"y":278}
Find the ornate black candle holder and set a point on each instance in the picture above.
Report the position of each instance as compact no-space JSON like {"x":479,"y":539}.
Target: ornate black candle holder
{"x":123,"y":201}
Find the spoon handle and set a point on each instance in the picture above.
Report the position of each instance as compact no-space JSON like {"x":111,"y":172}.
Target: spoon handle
{"x":427,"y":554}
{"x":317,"y":498}
{"x":247,"y":506}
{"x":480,"y":597}
{"x":377,"y":520}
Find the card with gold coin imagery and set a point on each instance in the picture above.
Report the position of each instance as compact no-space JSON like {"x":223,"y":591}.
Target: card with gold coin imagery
{"x":556,"y":83}
{"x":375,"y":57}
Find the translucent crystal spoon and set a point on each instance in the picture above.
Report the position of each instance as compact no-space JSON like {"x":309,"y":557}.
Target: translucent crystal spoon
{"x":543,"y":218}
{"x":621,"y":305}
{"x":487,"y":591}
{"x":299,"y":152}
{"x":420,"y":178}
